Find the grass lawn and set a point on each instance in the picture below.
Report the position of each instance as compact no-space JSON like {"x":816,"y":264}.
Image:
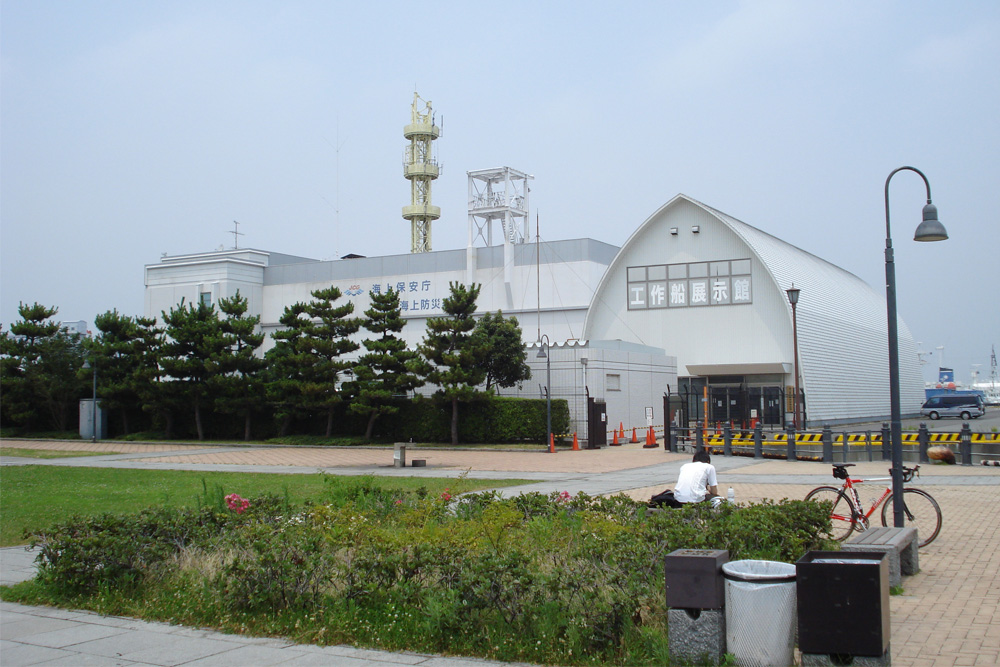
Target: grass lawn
{"x":34,"y":497}
{"x":44,"y":453}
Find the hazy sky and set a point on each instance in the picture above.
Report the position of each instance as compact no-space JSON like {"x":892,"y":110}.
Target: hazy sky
{"x":136,"y":128}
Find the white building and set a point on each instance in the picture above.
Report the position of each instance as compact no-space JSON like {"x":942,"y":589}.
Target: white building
{"x":695,"y":300}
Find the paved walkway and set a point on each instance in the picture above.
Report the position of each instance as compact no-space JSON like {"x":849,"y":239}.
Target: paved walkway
{"x":948,"y":615}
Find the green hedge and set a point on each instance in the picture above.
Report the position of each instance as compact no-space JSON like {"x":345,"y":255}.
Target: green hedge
{"x":543,"y":579}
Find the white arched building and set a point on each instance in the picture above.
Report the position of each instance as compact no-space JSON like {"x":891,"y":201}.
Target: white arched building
{"x":710,"y":290}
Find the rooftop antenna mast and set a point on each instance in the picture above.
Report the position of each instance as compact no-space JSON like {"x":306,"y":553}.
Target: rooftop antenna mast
{"x":236,"y":235}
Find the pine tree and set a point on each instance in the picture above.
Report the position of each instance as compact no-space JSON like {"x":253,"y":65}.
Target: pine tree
{"x":239,"y":385}
{"x":504,"y":362}
{"x":329,"y":341}
{"x":455,"y":356}
{"x":286,"y":366}
{"x":115,"y":351}
{"x":40,"y":368}
{"x":191,"y":354}
{"x":382,"y":373}
{"x":158,"y":394}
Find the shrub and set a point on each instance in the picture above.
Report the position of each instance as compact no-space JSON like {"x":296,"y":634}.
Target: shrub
{"x":543,"y":579}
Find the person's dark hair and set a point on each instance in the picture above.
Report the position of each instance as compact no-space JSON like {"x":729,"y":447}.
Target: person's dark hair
{"x":702,"y":456}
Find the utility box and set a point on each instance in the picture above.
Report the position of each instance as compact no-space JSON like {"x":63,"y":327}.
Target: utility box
{"x":694,"y":578}
{"x":399,"y":455}
{"x":843,"y":602}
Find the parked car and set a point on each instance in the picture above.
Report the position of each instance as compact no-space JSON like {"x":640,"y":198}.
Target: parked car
{"x":968,"y":406}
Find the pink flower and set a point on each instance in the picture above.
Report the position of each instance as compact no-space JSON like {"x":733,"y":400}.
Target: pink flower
{"x":446,"y":496}
{"x":237,"y":504}
{"x":564,"y":496}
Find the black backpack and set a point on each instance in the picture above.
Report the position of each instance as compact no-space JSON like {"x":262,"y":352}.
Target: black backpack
{"x":664,"y":499}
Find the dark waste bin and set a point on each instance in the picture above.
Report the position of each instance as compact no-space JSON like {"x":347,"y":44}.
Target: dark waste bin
{"x":843,"y":601}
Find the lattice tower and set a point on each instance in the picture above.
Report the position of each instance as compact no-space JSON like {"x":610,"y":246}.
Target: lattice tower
{"x":421,"y":167}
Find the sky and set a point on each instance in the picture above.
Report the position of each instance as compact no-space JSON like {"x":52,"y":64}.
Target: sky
{"x":129,"y":129}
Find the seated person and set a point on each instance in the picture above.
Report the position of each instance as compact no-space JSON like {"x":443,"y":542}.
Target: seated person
{"x":696,"y":481}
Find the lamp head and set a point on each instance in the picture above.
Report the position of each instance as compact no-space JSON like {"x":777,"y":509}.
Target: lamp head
{"x":541,"y":352}
{"x":793,"y":294}
{"x":931,"y":228}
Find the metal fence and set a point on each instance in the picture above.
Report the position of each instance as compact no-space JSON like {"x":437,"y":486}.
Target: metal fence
{"x":830,"y":446}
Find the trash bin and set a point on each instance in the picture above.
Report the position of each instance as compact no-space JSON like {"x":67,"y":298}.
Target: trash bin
{"x":843,"y":602}
{"x":760,"y":612}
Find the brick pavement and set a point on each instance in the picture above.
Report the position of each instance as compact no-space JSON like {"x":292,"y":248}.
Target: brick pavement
{"x":948,"y":615}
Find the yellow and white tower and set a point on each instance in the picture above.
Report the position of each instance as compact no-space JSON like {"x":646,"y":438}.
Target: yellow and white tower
{"x":421,"y":167}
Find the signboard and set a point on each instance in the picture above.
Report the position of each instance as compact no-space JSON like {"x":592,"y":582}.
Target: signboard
{"x":690,"y":285}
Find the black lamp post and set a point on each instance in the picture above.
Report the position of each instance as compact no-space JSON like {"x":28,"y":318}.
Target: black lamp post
{"x":793,"y":298}
{"x":928,"y":230}
{"x":542,"y":354}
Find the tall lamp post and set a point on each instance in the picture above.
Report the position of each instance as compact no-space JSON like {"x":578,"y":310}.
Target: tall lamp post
{"x":930,"y":229}
{"x":93,"y":403}
{"x":543,"y":354}
{"x":793,"y":298}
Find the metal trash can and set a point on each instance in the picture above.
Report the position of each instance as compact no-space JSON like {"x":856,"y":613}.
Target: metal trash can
{"x":760,"y":612}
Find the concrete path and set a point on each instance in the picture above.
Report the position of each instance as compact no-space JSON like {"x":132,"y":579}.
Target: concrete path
{"x":948,"y":615}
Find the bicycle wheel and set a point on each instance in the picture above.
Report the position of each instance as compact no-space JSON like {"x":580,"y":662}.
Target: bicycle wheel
{"x":841,"y":516}
{"x":920,"y":510}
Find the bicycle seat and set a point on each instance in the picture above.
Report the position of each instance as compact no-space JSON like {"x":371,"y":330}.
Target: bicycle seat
{"x":840,"y":470}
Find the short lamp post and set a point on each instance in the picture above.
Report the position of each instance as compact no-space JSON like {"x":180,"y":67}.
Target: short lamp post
{"x":543,"y":353}
{"x":930,"y":229}
{"x":793,"y":298}
{"x":93,"y":403}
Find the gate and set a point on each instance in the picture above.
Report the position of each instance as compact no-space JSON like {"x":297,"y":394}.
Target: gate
{"x":597,"y":423}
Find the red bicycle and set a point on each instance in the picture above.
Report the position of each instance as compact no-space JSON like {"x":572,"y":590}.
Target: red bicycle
{"x":848,"y":514}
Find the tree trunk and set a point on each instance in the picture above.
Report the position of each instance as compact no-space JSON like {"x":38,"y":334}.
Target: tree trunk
{"x":329,"y":421}
{"x":286,"y":421}
{"x":454,"y":422}
{"x":371,"y":426}
{"x":168,"y":417}
{"x":246,"y":426}
{"x":125,"y":420}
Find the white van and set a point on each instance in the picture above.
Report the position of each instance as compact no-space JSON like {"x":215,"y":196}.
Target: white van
{"x":966,"y":406}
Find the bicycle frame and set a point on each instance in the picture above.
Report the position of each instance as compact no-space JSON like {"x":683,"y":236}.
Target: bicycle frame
{"x":855,"y":499}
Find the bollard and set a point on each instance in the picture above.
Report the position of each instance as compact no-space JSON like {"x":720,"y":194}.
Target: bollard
{"x":699,"y":437}
{"x":868,"y":445}
{"x":399,"y":455}
{"x":790,"y":442}
{"x":965,"y":444}
{"x":727,"y":440}
{"x":758,"y":441}
{"x":886,"y":442}
{"x":845,"y":444}
{"x":924,"y":438}
{"x":827,"y":445}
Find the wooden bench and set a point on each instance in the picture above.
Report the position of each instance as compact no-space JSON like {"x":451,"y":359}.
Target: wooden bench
{"x":899,"y":543}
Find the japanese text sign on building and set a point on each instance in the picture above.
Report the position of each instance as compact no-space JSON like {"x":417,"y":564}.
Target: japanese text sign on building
{"x":693,"y":284}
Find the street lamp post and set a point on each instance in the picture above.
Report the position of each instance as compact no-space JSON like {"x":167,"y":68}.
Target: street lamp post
{"x":793,"y":298}
{"x":543,"y":354}
{"x":929,"y":230}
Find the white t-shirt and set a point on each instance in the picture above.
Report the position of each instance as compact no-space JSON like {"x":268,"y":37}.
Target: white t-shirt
{"x":693,"y":482}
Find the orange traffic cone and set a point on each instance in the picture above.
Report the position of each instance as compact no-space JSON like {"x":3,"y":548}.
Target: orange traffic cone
{"x":650,"y":439}
{"x":634,"y":439}
{"x":576,"y":443}
{"x":552,"y":444}
{"x":614,"y":441}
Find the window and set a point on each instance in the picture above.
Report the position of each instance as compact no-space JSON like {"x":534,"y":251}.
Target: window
{"x":206,"y":298}
{"x":614,"y":382}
